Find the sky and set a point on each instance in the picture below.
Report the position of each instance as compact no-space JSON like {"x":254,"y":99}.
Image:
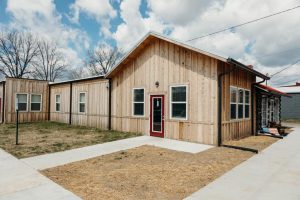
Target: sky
{"x":79,"y":25}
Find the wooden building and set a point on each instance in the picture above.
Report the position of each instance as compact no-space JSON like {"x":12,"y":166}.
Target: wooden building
{"x":168,"y":89}
{"x":32,"y":98}
{"x":161,"y":88}
{"x":86,"y":98}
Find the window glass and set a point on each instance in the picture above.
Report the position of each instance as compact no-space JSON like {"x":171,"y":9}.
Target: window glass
{"x":82,"y":97}
{"x":247,"y":108}
{"x":247,"y":96}
{"x":233,"y":94}
{"x":22,"y":102}
{"x":241,"y":111}
{"x":138,"y":102}
{"x":233,"y":111}
{"x":241,"y":96}
{"x":179,"y":94}
{"x":179,"y":102}
{"x":57,"y":103}
{"x":36,"y":100}
{"x":82,"y":102}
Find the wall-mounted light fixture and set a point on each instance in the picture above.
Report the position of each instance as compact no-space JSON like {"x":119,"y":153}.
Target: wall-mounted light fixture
{"x":157,"y":84}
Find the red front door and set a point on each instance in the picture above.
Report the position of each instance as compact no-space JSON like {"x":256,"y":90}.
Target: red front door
{"x":157,"y":115}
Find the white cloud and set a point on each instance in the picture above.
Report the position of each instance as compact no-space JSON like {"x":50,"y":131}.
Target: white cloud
{"x":41,"y":18}
{"x":135,"y":26}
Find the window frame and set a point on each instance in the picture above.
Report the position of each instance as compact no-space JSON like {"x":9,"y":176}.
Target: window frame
{"x":133,"y":102}
{"x":56,"y":102}
{"x":249,"y":103}
{"x":41,"y":102}
{"x":237,"y":104}
{"x":79,"y":102}
{"x":27,"y":100}
{"x":186,"y":102}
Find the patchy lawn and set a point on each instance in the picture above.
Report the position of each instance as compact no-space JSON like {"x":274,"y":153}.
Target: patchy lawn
{"x":149,"y":172}
{"x":47,"y":137}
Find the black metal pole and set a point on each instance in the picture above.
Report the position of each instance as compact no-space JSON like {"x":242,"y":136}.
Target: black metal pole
{"x":17,"y":128}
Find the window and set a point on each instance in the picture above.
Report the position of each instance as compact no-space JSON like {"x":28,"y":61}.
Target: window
{"x":57,"y":102}
{"x":178,"y":102}
{"x":21,"y":100}
{"x":233,"y":102}
{"x":82,"y":101}
{"x":247,"y":103}
{"x":138,"y":101}
{"x":239,"y":103}
{"x":36,"y":102}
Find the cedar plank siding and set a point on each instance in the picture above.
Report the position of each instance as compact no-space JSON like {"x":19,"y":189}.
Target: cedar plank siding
{"x":28,"y":86}
{"x":96,"y":103}
{"x":170,"y":65}
{"x":235,"y":129}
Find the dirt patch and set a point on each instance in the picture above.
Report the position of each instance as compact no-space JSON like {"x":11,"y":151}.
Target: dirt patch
{"x":47,"y":137}
{"x":259,"y":142}
{"x":149,"y":172}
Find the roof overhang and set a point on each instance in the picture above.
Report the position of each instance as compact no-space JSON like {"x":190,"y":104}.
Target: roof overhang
{"x":77,"y":80}
{"x":271,"y":90}
{"x":246,"y":68}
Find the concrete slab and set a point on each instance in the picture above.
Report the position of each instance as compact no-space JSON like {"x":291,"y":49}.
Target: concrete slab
{"x":61,"y":158}
{"x":272,"y":174}
{"x":20,"y":181}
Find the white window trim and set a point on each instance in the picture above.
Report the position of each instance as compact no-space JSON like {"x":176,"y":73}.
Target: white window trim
{"x":186,"y":102}
{"x":247,"y":104}
{"x":26,"y":102}
{"x":237,"y":104}
{"x":85,"y":107}
{"x":56,"y":102}
{"x":133,"y":102}
{"x":36,"y":102}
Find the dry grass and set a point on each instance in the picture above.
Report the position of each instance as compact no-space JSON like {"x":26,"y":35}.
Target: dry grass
{"x":47,"y":137}
{"x":149,"y":172}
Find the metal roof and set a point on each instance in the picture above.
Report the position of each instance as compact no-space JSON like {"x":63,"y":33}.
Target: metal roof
{"x":271,"y":90}
{"x":77,"y":80}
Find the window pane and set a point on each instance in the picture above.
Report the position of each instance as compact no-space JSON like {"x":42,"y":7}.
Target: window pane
{"x":35,"y":106}
{"x":22,"y":106}
{"x":82,"y":107}
{"x":138,"y":109}
{"x":179,"y":110}
{"x":57,"y":98}
{"x":179,"y":93}
{"x":233,"y":93}
{"x":82,"y":97}
{"x":233,"y":111}
{"x":240,"y":111}
{"x":247,"y":111}
{"x":22,"y":98}
{"x":36,"y":98}
{"x":57,"y":107}
{"x":241,"y":96}
{"x":138,"y":95}
{"x":247,"y":96}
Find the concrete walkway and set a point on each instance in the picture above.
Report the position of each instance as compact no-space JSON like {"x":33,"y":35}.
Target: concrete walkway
{"x":18,"y":181}
{"x":61,"y":158}
{"x":272,"y":174}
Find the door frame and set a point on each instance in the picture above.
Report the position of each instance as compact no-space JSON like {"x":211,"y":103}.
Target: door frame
{"x":155,"y":133}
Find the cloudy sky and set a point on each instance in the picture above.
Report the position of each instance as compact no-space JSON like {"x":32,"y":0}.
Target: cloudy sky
{"x":77,"y":25}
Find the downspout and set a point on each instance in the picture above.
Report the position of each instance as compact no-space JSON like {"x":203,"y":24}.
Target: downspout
{"x":252,"y":106}
{"x":109,"y":103}
{"x":49,"y":100}
{"x":70,"y":111}
{"x":3,"y":105}
{"x":220,"y":104}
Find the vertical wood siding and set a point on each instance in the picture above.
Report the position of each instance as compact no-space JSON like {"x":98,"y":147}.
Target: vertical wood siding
{"x":235,"y":129}
{"x":169,"y":64}
{"x":96,"y":114}
{"x":1,"y":101}
{"x":14,"y":86}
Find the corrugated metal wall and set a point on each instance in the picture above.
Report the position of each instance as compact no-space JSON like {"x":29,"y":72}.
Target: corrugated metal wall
{"x":290,"y":107}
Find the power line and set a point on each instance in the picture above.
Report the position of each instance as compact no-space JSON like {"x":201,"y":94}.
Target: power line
{"x":245,"y":23}
{"x":279,"y":52}
{"x":285,"y":68}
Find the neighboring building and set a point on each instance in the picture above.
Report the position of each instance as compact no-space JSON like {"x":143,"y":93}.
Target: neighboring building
{"x":291,"y":106}
{"x":32,"y":95}
{"x":160,"y":88}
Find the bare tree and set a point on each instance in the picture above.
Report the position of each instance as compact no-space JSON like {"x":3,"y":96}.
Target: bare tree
{"x":49,"y":64}
{"x":102,"y":59}
{"x":77,"y":73}
{"x":17,"y":52}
